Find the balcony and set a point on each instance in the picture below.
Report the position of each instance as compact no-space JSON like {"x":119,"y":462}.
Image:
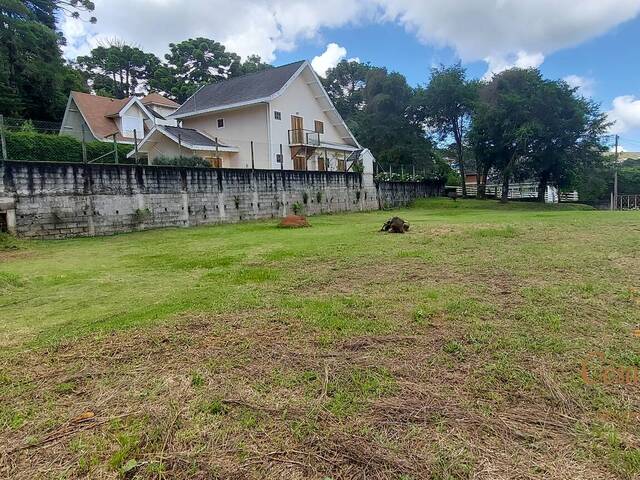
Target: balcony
{"x":302,"y":137}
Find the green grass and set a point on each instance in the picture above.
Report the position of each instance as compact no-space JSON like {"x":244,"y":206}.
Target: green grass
{"x":262,"y":339}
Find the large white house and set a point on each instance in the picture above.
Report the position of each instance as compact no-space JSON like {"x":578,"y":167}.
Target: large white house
{"x":277,"y":118}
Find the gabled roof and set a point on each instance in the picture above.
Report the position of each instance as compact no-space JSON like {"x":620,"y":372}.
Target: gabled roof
{"x":187,"y":137}
{"x":191,"y":137}
{"x":157,"y":99}
{"x":96,"y":111}
{"x":247,"y":89}
{"x":100,"y":113}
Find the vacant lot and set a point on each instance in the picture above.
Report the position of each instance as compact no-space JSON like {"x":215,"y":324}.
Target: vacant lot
{"x":246,"y":351}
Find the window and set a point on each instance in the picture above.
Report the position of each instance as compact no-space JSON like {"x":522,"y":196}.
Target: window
{"x":129,"y":124}
{"x":319,"y":126}
{"x":221,"y":123}
{"x":277,"y":115}
{"x":278,"y":158}
{"x":342,"y":165}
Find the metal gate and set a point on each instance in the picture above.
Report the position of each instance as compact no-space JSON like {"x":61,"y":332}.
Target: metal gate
{"x":627,"y":202}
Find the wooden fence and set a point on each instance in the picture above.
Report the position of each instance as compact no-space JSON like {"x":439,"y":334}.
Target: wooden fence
{"x":519,"y":191}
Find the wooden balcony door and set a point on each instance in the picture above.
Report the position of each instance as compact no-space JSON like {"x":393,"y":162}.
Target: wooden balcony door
{"x":300,"y":162}
{"x":297,"y":130}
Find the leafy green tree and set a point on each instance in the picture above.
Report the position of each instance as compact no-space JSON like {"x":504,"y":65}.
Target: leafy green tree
{"x":345,"y":84}
{"x":34,"y":79}
{"x":376,"y":106}
{"x":127,"y":66}
{"x":33,"y":75}
{"x":252,"y":64}
{"x":568,"y":137}
{"x":504,"y":126}
{"x":445,"y":106}
{"x":193,"y":63}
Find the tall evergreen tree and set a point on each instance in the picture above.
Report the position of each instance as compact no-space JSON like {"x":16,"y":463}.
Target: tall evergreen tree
{"x":34,"y":79}
{"x":118,"y":69}
{"x":193,"y":63}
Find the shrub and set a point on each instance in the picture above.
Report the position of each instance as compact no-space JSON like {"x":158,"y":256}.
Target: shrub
{"x":182,"y":162}
{"x":297,"y":208}
{"x":40,"y":147}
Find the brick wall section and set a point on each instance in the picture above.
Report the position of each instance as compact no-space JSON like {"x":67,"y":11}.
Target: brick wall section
{"x":59,"y":200}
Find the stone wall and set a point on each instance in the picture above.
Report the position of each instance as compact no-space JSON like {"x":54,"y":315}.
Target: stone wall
{"x":59,"y":200}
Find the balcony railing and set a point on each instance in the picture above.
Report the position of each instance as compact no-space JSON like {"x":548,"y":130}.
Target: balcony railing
{"x":300,"y":136}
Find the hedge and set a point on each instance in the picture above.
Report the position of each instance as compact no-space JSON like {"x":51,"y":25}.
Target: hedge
{"x":182,"y":161}
{"x":40,"y":147}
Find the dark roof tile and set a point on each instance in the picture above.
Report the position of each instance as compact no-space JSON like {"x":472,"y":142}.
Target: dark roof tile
{"x":240,"y":89}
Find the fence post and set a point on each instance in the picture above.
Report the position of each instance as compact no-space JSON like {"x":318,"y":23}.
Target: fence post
{"x":84,"y":147}
{"x":180,"y":145}
{"x":281,"y":159}
{"x":218,"y":151}
{"x":253,"y":165}
{"x":2,"y":139}
{"x":115,"y":148}
{"x":135,"y":143}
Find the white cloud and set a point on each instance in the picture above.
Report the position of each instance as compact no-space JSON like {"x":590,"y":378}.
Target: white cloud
{"x":504,"y":32}
{"x":584,"y":85}
{"x":521,"y":59}
{"x":329,"y":59}
{"x":625,"y":113}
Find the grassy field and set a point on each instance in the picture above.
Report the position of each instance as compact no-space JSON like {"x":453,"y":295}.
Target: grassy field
{"x":489,"y":342}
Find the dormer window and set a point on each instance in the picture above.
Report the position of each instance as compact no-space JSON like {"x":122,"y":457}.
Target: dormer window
{"x":221,"y":123}
{"x":131,"y":123}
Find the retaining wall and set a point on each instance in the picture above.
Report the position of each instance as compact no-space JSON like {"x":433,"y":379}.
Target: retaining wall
{"x":59,"y":200}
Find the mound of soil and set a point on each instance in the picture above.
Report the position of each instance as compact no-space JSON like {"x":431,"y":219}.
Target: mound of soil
{"x":294,"y":221}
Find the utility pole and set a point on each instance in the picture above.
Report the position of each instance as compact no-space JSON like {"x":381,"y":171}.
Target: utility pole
{"x":2,"y":139}
{"x":84,"y":147}
{"x":135,"y":143}
{"x":615,"y":176}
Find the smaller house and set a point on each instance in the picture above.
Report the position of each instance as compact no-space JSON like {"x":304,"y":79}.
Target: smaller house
{"x":171,"y":141}
{"x":93,"y":117}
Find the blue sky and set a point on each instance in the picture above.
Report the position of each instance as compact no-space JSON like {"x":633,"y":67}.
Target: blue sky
{"x":591,"y":43}
{"x":610,"y":63}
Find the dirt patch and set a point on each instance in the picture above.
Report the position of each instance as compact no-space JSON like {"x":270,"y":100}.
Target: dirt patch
{"x":294,"y":221}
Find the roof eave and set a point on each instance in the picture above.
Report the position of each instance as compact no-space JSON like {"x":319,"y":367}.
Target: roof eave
{"x":221,"y":108}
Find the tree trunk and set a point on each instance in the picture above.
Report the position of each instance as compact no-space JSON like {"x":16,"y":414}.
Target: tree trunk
{"x":482,"y":183}
{"x":457,"y":133}
{"x":542,"y":187}
{"x":504,"y":198}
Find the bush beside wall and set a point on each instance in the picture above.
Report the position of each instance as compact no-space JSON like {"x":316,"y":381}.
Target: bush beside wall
{"x":40,"y":147}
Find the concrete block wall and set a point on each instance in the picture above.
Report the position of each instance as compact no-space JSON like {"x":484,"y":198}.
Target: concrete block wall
{"x":59,"y":200}
{"x":399,"y":194}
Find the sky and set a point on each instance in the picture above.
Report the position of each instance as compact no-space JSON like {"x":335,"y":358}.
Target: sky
{"x":592,"y":44}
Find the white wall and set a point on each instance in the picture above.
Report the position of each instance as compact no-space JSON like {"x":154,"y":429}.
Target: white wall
{"x":299,"y":100}
{"x":241,"y":126}
{"x":133,"y":111}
